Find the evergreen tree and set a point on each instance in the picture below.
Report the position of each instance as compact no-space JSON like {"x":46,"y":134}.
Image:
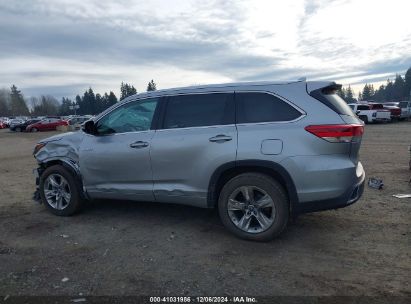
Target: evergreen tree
{"x":366,"y":93}
{"x":126,"y":90}
{"x":341,"y":93}
{"x":349,"y":95}
{"x":112,"y":99}
{"x":407,"y":85}
{"x":399,"y":88}
{"x":379,"y":95}
{"x":65,"y":107}
{"x":389,"y":91}
{"x":151,"y":86}
{"x":17,"y":104}
{"x":4,"y":102}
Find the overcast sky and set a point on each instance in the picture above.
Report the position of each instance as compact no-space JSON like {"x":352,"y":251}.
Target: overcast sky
{"x":63,"y":47}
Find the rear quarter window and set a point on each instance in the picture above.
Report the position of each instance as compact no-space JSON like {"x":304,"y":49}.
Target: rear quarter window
{"x":329,"y":97}
{"x":263,"y":107}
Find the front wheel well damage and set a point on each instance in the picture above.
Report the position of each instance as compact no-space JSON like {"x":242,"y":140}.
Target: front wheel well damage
{"x":71,"y":167}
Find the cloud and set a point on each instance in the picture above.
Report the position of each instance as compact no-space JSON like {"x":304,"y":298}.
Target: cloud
{"x":63,"y":47}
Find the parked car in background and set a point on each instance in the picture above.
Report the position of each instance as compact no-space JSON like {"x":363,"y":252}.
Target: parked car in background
{"x":370,"y":113}
{"x":395,"y":111}
{"x":15,"y":121}
{"x":258,"y":152}
{"x":3,"y":125}
{"x":49,"y":124}
{"x":405,"y":109}
{"x":5,"y":121}
{"x":22,"y":127}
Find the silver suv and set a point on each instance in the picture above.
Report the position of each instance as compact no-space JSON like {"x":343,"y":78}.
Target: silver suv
{"x":259,"y":152}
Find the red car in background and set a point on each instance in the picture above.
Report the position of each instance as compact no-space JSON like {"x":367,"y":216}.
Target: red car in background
{"x":48,"y":124}
{"x":3,"y":125}
{"x":395,"y":111}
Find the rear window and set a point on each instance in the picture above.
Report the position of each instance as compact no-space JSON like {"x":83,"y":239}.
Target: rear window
{"x":262,"y":107}
{"x":329,"y":97}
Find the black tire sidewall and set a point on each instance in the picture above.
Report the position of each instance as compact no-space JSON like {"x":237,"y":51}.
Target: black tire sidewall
{"x":273,"y":188}
{"x":75,"y":200}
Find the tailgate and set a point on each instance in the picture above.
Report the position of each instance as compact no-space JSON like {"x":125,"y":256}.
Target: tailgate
{"x":383,"y":114}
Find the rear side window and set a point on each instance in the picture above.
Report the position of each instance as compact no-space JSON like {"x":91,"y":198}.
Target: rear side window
{"x":199,"y":110}
{"x":363,"y":107}
{"x":329,"y":97}
{"x":377,"y":106}
{"x":263,"y":107}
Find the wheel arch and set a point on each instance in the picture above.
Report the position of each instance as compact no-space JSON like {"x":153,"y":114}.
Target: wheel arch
{"x":69,"y":164}
{"x":227,"y":171}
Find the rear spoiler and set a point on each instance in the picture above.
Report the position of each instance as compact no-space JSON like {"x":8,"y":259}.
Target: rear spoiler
{"x":322,"y":85}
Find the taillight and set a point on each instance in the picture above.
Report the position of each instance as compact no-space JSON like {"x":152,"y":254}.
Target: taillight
{"x":336,"y":133}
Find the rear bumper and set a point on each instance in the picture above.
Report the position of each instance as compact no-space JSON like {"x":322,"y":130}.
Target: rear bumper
{"x":349,"y":197}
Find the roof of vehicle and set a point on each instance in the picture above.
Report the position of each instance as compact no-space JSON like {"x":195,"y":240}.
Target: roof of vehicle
{"x":311,"y":85}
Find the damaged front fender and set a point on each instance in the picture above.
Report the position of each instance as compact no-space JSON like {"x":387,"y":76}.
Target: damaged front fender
{"x":60,"y":149}
{"x":63,"y":147}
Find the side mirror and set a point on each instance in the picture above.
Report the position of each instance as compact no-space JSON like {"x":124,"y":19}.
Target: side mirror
{"x":357,"y":112}
{"x":90,"y":127}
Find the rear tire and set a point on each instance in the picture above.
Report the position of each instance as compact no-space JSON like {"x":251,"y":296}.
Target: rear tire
{"x":34,"y":130}
{"x":260,"y":217}
{"x":60,"y":191}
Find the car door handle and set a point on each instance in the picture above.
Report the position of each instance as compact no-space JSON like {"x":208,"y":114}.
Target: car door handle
{"x":139,"y":144}
{"x":220,"y":138}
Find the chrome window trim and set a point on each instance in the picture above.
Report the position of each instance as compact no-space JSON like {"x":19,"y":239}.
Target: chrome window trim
{"x":198,"y":127}
{"x":301,"y":111}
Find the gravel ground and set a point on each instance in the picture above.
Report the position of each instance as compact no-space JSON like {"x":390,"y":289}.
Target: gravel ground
{"x":126,"y":248}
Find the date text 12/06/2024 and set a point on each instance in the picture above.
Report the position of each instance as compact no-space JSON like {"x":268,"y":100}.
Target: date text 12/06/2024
{"x":240,"y":299}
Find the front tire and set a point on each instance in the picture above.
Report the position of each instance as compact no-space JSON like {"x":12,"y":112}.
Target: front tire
{"x":18,"y":129}
{"x":34,"y":130}
{"x":254,"y":206}
{"x":60,"y":191}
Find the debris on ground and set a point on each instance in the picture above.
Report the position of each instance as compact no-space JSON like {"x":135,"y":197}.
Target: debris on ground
{"x":64,"y":236}
{"x":402,"y":195}
{"x":375,"y":183}
{"x":65,"y":279}
{"x":78,"y":300}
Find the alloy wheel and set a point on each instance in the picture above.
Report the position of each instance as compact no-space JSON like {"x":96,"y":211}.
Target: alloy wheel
{"x":251,"y":209}
{"x":57,"y":191}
